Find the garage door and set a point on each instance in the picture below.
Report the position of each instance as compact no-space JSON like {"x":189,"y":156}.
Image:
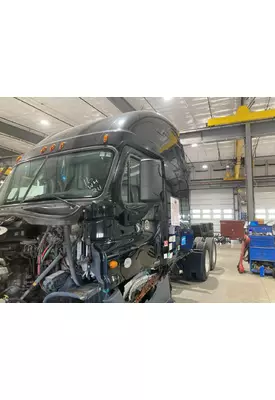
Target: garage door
{"x":211,"y":205}
{"x":264,"y":203}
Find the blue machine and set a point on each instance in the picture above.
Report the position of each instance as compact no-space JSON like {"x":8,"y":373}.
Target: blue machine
{"x":261,"y":249}
{"x":187,"y":240}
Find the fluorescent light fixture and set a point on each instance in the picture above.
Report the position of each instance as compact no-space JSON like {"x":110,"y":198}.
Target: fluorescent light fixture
{"x":228,"y":211}
{"x":206,"y":211}
{"x":260,"y":211}
{"x":196,"y":211}
{"x":206,"y":216}
{"x":272,"y":211}
{"x":217,"y":211}
{"x":44,"y":122}
{"x":260,"y":216}
{"x":227,"y":166}
{"x":217,"y":216}
{"x":204,"y":166}
{"x":194,"y":145}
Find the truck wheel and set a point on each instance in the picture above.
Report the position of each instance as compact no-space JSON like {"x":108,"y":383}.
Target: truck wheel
{"x":204,"y":267}
{"x":210,"y":243}
{"x":198,"y":243}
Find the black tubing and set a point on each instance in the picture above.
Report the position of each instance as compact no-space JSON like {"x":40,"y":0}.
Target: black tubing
{"x":60,"y":294}
{"x":67,"y":242}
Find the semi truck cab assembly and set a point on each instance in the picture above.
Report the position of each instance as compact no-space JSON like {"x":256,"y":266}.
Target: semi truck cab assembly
{"x":92,"y":214}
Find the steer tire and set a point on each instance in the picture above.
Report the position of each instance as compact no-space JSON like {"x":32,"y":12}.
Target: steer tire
{"x":212,"y":247}
{"x":203,"y":268}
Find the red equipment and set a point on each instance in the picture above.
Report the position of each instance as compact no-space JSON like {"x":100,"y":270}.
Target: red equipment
{"x":244,"y":248}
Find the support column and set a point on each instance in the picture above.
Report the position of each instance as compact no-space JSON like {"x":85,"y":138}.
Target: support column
{"x":236,"y":204}
{"x":249,"y":173}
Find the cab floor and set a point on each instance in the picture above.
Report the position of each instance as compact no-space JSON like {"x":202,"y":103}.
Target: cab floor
{"x":225,"y":284}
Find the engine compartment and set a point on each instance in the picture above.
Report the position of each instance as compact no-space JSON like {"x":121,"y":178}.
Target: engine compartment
{"x":37,"y":260}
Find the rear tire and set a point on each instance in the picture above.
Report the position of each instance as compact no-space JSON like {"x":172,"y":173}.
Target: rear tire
{"x":198,"y":243}
{"x":212,"y":247}
{"x":204,"y":267}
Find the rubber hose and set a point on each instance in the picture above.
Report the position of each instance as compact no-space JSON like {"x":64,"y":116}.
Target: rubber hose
{"x":60,"y":294}
{"x":68,"y":247}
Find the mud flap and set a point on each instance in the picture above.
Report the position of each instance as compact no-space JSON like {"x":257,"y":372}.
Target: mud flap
{"x":192,"y":264}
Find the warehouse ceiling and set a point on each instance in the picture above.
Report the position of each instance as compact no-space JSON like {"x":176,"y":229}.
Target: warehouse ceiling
{"x":24,"y":121}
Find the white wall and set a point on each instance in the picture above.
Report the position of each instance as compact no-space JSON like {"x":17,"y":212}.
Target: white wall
{"x":211,"y":205}
{"x":265,"y":203}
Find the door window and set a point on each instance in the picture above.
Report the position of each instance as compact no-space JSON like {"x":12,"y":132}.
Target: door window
{"x":131,"y":181}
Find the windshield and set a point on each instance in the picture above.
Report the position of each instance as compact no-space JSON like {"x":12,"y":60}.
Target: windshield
{"x":73,"y":175}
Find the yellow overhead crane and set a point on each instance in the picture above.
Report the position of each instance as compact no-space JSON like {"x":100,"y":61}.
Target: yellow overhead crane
{"x":242,"y":115}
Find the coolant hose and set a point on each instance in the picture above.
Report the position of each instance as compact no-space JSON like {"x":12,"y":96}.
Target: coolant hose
{"x":68,"y":247}
{"x":60,"y":294}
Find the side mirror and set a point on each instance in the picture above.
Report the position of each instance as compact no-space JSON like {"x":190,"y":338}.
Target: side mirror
{"x":150,"y":180}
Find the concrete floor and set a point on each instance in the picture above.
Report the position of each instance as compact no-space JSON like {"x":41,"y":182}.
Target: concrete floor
{"x":225,"y":284}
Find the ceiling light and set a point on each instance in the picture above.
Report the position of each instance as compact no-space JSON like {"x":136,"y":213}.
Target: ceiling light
{"x":194,"y":145}
{"x":204,"y":166}
{"x":121,"y":121}
{"x":167,"y":98}
{"x":227,"y":166}
{"x":44,"y":122}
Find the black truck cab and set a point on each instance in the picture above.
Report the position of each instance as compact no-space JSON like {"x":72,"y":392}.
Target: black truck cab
{"x":96,"y":201}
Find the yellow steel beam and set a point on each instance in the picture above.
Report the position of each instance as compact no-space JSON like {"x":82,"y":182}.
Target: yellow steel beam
{"x":237,"y":168}
{"x":239,"y":150}
{"x":243,"y":114}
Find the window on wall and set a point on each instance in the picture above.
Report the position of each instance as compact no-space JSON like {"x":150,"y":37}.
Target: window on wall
{"x":131,"y":181}
{"x":228,"y":213}
{"x":209,"y":214}
{"x":196,"y":214}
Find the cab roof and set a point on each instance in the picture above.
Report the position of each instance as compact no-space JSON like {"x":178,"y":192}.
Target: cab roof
{"x":123,"y":122}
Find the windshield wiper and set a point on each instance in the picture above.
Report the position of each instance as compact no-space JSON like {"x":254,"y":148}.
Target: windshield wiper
{"x":32,"y":181}
{"x":51,"y":197}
